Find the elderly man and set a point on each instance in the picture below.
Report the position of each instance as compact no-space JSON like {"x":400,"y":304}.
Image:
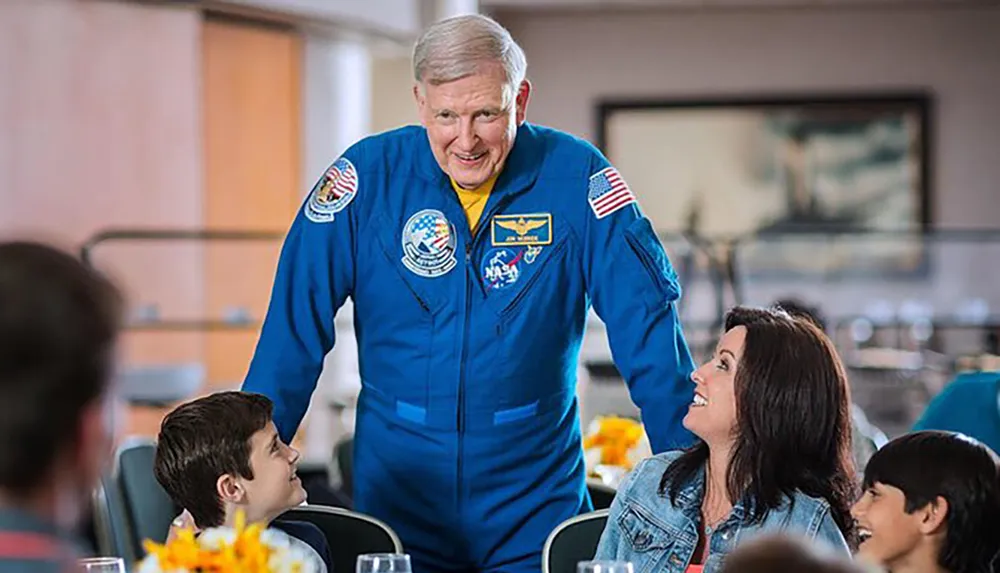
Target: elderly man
{"x":472,"y":248}
{"x":58,"y":331}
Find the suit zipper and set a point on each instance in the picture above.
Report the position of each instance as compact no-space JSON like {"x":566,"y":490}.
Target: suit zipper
{"x":460,"y":411}
{"x":470,"y":275}
{"x":527,"y":287}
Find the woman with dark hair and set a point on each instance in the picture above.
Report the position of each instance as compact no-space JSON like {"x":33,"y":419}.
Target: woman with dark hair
{"x":771,"y":411}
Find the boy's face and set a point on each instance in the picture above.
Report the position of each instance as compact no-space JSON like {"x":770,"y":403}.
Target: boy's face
{"x":275,"y":487}
{"x":889,"y":535}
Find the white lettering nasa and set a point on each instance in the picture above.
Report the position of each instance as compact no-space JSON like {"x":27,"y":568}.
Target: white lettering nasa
{"x":500,"y":268}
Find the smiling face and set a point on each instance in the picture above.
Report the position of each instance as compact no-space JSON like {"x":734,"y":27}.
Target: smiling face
{"x":275,"y":487}
{"x":712,"y":413}
{"x":888,"y":534}
{"x":472,"y":122}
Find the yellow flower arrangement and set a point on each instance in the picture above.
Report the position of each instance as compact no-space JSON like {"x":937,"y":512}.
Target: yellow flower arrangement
{"x":612,"y":447}
{"x":616,"y":437}
{"x":242,"y":549}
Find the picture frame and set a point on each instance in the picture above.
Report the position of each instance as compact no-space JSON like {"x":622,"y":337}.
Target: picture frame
{"x":801,"y":186}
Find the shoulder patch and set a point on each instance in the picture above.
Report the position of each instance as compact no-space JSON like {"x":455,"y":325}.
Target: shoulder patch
{"x":607,"y":192}
{"x":333,"y":193}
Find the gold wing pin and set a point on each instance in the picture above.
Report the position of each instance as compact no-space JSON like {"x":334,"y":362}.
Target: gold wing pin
{"x":522,"y":227}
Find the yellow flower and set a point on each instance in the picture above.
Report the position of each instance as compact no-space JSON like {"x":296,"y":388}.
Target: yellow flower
{"x":615,"y":437}
{"x":240,"y":551}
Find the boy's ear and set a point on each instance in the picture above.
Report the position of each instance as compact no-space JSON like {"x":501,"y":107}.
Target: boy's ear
{"x":935,"y":515}
{"x":229,"y":489}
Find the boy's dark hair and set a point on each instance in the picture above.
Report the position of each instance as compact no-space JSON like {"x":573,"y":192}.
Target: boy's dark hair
{"x":59,"y":322}
{"x":793,"y":421}
{"x":204,"y":439}
{"x":931,"y":463}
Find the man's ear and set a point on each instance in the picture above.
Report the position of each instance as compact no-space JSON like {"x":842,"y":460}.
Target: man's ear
{"x":521,"y":102}
{"x":935,"y":516}
{"x":229,"y":489}
{"x":421,"y":101}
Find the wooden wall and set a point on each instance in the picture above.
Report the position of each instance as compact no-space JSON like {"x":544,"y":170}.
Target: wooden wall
{"x":251,"y":96}
{"x":123,"y":115}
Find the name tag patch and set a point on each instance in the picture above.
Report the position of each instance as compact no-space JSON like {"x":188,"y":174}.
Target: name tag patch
{"x":521,"y":230}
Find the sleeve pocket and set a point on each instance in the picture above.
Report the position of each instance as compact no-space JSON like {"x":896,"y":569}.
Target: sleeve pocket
{"x":646,"y":247}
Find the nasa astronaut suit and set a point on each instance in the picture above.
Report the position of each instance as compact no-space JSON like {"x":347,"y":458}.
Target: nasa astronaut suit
{"x":468,"y":439}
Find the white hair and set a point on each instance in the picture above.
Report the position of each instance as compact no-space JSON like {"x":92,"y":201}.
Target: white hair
{"x":455,"y":48}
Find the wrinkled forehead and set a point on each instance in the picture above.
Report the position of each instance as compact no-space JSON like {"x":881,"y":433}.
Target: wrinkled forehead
{"x":486,"y":87}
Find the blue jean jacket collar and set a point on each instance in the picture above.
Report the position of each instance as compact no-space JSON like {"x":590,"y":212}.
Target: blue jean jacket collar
{"x":691,"y":494}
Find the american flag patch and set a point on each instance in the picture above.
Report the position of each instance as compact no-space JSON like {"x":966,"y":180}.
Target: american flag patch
{"x":340,"y":179}
{"x":333,"y":193}
{"x":608,"y":192}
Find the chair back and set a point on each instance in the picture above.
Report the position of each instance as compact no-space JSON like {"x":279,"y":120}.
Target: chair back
{"x":344,"y":452}
{"x":601,"y":494}
{"x":148,"y":507}
{"x":573,"y":541}
{"x":348,"y":533}
{"x":111,"y":524}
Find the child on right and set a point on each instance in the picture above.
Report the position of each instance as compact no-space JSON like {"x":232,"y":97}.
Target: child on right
{"x":931,"y":504}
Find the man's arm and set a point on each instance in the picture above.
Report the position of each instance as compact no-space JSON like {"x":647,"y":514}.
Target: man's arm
{"x":634,"y":290}
{"x":314,"y":277}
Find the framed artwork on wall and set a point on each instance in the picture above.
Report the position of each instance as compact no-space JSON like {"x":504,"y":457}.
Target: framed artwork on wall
{"x":807,"y":185}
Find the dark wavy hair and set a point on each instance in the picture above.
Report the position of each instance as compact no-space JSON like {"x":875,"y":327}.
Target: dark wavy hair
{"x":928,"y":464}
{"x":200,"y":441}
{"x":793,"y":421}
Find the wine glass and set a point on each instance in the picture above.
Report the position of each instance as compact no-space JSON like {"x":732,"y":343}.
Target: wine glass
{"x":604,"y":567}
{"x":384,"y":563}
{"x":102,"y":565}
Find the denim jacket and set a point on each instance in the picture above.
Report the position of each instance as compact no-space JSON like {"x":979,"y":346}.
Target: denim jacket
{"x":645,"y":528}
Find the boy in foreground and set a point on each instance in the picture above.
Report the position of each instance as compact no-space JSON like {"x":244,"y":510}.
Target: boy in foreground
{"x":221,"y":454}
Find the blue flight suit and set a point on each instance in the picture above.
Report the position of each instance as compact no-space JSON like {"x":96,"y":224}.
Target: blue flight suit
{"x":468,"y":439}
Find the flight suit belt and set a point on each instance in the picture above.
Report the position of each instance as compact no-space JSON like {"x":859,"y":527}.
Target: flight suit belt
{"x":444,"y":416}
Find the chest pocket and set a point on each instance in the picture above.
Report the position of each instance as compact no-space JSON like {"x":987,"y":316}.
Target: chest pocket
{"x":426,"y":292}
{"x":511,"y":274}
{"x":650,"y":546}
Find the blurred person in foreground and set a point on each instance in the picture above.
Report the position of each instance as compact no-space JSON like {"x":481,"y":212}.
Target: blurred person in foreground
{"x":771,"y":411}
{"x":59,"y":324}
{"x":780,"y":553}
{"x":931,"y":504}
